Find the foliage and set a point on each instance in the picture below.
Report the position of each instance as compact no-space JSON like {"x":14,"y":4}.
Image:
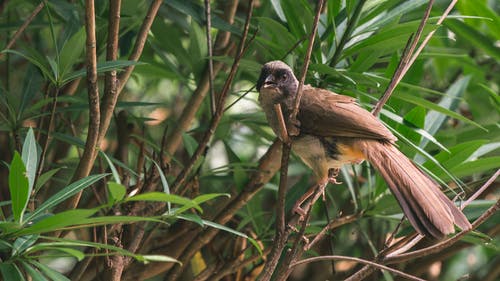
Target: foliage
{"x":445,"y":113}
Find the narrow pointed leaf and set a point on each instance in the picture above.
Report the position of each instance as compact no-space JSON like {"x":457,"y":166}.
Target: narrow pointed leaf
{"x":66,"y":193}
{"x":30,"y":157}
{"x":18,"y":187}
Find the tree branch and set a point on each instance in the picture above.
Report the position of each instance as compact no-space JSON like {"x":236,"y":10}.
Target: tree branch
{"x":89,"y":153}
{"x":374,"y":264}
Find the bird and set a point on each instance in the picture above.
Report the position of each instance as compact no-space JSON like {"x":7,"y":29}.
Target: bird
{"x":334,"y":130}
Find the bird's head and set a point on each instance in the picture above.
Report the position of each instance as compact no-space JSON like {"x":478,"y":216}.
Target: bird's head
{"x":278,"y":77}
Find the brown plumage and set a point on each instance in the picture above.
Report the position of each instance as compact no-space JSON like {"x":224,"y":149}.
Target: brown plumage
{"x":335,"y":130}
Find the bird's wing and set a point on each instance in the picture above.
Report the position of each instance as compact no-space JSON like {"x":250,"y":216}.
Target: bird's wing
{"x":327,"y":114}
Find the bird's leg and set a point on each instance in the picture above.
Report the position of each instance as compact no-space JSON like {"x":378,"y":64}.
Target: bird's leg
{"x":332,"y":176}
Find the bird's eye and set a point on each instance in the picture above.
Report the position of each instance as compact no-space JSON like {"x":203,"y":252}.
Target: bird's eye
{"x":284,"y":76}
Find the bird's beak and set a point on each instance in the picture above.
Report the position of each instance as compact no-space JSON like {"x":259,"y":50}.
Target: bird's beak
{"x":269,"y":82}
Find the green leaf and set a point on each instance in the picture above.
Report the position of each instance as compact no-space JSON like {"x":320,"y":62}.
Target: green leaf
{"x":474,"y":37}
{"x":162,"y":197}
{"x":434,"y":120}
{"x":65,"y":193}
{"x":414,"y":118}
{"x":239,"y":175}
{"x":22,"y":243}
{"x":207,"y":197}
{"x":103,"y":220}
{"x":34,"y":274}
{"x":477,"y":166}
{"x":224,"y":228}
{"x":116,"y":191}
{"x":10,"y":272}
{"x":387,"y":39}
{"x":197,"y":47}
{"x":430,"y":105}
{"x":295,"y":10}
{"x":49,"y":272}
{"x":235,"y":232}
{"x":387,"y":16}
{"x":18,"y":187}
{"x":31,"y":86}
{"x":277,"y":8}
{"x":55,"y":70}
{"x":45,"y":177}
{"x":421,"y":132}
{"x":164,"y":182}
{"x":71,"y":51}
{"x":37,"y":59}
{"x":189,"y":143}
{"x":114,"y":172}
{"x":79,"y":255}
{"x":80,"y":243}
{"x":30,"y":157}
{"x":58,"y":221}
{"x":459,"y":153}
{"x":101,"y":68}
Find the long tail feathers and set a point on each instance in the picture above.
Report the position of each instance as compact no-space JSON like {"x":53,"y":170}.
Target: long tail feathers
{"x":427,"y":208}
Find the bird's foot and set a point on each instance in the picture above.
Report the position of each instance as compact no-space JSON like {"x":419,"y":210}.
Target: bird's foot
{"x":332,"y":176}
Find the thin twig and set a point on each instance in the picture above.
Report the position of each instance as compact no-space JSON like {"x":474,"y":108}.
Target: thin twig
{"x":283,"y":132}
{"x":89,"y":153}
{"x":110,"y":80}
{"x":446,"y":243}
{"x":374,"y":264}
{"x":405,"y":62}
{"x":139,"y":43}
{"x":281,"y":233}
{"x":116,"y":263}
{"x":482,"y":189}
{"x":23,"y":27}
{"x":45,"y":140}
{"x":429,"y":36}
{"x":110,"y":98}
{"x":297,"y":250}
{"x":214,"y":122}
{"x":307,"y":59}
{"x":332,"y":225}
{"x":210,"y":55}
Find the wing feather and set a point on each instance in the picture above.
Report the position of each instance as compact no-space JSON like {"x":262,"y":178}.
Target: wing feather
{"x":327,"y":114}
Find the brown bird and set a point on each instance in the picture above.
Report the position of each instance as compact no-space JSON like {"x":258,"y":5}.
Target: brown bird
{"x":334,"y":130}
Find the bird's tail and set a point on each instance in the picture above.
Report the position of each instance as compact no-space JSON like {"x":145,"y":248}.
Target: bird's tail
{"x":427,"y":208}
